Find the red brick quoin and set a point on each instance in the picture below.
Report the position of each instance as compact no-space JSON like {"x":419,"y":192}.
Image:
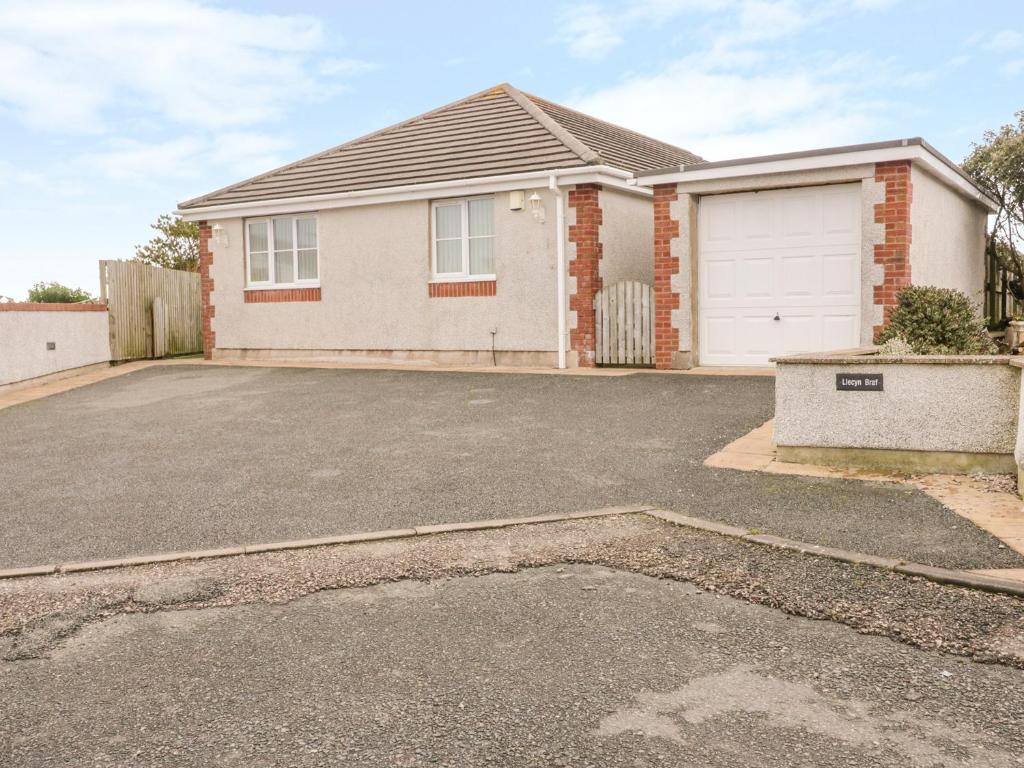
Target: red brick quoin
{"x":586,"y":268}
{"x":273,"y":295}
{"x":666,"y":229}
{"x":894,"y":253}
{"x":466,"y":288}
{"x":205,"y":287}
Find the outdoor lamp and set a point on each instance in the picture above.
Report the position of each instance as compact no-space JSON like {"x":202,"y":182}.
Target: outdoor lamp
{"x":220,"y":235}
{"x":537,"y":207}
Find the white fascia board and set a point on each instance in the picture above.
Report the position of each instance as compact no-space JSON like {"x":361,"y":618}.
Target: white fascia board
{"x":913,"y":153}
{"x":599,"y":174}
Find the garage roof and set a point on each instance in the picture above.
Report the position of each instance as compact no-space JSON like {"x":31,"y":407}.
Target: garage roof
{"x":495,"y":132}
{"x":913,"y":149}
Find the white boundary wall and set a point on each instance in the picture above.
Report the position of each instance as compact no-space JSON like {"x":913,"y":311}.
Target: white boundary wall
{"x":80,"y":337}
{"x":929,"y":403}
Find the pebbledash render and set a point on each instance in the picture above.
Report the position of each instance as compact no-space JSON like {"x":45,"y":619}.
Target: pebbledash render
{"x":805,"y":252}
{"x":477,"y":233}
{"x":489,"y":230}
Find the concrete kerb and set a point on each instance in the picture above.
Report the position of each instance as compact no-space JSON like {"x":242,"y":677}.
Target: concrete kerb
{"x":938,"y":575}
{"x":280,"y":546}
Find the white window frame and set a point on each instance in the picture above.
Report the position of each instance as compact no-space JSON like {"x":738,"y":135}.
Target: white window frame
{"x":250,"y":284}
{"x":463,"y":276}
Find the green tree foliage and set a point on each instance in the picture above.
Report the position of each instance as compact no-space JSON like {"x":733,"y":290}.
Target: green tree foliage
{"x":938,"y":321}
{"x":175,"y":247}
{"x":55,"y":293}
{"x":997,"y":165}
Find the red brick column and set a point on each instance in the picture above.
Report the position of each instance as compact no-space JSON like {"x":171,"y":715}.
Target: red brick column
{"x":205,"y":287}
{"x":666,"y":229}
{"x":586,"y":268}
{"x":894,"y":253}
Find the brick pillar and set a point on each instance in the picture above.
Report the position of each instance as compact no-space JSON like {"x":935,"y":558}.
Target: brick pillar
{"x":205,"y":288}
{"x":585,"y":266}
{"x":894,"y":253}
{"x":666,"y":229}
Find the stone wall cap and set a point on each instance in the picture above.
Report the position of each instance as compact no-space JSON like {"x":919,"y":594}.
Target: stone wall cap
{"x":870,"y":356}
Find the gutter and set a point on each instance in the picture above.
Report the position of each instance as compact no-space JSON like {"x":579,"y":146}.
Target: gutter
{"x":560,"y":261}
{"x":602,"y":174}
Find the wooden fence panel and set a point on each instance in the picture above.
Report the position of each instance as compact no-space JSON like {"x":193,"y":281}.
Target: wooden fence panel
{"x":624,"y":324}
{"x":129,"y":288}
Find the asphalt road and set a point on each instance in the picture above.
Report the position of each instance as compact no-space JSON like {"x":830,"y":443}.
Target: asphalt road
{"x":573,"y":665}
{"x":193,"y":457}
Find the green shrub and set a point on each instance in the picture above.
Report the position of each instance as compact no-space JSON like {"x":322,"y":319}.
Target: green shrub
{"x":897,"y":346}
{"x":938,"y":321}
{"x":56,"y":293}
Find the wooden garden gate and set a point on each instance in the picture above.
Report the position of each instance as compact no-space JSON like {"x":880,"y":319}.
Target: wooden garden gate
{"x":153,"y":312}
{"x":625,"y":324}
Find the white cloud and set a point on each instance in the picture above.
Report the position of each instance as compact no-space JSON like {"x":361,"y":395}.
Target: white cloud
{"x":132,"y":160}
{"x":188,"y":157}
{"x":67,"y":65}
{"x":591,"y":30}
{"x":332,"y":67}
{"x":736,"y":95}
{"x":1005,"y":40}
{"x":722,"y":114}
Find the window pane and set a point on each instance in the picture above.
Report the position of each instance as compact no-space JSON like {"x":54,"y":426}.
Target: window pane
{"x":259,"y":267}
{"x":481,"y":217}
{"x":307,"y":263}
{"x":449,"y":256}
{"x":307,"y":234}
{"x":284,"y":267}
{"x":258,"y":236}
{"x":282,"y":236}
{"x":481,"y":256}
{"x":449,"y":221}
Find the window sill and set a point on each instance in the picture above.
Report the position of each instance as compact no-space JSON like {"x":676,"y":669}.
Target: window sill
{"x":274,"y":295}
{"x":282,"y":286}
{"x":464,"y":279}
{"x":443,"y":289}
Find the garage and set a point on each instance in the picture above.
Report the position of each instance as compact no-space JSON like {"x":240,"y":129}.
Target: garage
{"x":765,"y":256}
{"x":779,"y":273}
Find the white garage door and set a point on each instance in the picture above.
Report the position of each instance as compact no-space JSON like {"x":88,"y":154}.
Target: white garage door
{"x":779,"y":273}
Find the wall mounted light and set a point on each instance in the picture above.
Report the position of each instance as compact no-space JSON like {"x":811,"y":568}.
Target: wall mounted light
{"x":537,"y":207}
{"x":220,"y":235}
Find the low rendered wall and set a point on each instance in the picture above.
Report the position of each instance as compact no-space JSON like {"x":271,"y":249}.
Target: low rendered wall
{"x":78,"y":333}
{"x":932,"y":414}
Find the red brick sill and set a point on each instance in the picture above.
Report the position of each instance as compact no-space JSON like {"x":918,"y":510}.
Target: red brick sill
{"x":272,"y":295}
{"x":463,"y":288}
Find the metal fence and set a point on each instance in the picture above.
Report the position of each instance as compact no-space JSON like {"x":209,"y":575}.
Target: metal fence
{"x":132,"y":290}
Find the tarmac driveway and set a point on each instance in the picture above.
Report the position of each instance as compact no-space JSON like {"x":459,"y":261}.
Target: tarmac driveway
{"x":608,"y":642}
{"x":185,"y":457}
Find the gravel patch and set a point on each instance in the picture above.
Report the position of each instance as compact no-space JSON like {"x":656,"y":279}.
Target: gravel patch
{"x":38,"y":614}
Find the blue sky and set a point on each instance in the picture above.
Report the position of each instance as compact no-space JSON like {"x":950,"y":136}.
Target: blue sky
{"x":111,"y":112}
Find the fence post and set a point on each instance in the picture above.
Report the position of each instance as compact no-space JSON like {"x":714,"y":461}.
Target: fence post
{"x":159,"y":328}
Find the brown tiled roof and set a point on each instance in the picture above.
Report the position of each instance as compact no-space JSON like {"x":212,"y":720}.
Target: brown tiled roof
{"x":495,"y":132}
